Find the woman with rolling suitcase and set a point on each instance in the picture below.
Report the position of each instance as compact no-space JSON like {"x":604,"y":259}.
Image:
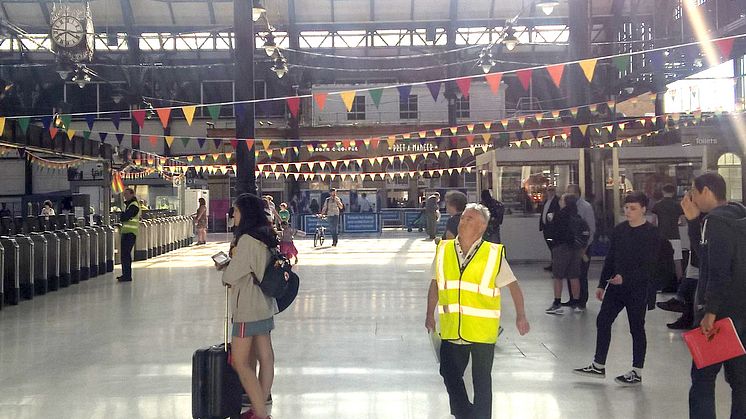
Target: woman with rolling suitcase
{"x":252,"y":310}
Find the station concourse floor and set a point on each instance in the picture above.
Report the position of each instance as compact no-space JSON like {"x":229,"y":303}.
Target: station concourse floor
{"x":353,"y":345}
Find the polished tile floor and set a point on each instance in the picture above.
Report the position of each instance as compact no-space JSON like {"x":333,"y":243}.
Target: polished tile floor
{"x":352,"y":346}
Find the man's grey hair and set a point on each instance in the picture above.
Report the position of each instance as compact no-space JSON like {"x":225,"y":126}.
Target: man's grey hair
{"x":481,"y":209}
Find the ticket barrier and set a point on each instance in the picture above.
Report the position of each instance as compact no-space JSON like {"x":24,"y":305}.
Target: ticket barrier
{"x":85,"y":253}
{"x":11,"y":270}
{"x":92,"y":251}
{"x":109,"y":233}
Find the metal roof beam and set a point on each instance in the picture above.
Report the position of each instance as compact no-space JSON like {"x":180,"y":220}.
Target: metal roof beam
{"x":211,"y":9}
{"x":44,"y":10}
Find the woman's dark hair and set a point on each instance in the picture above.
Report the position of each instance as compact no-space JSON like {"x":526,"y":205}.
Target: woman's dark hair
{"x":254,"y":221}
{"x":202,"y":201}
{"x":636,"y":197}
{"x":48,"y":203}
{"x":712,"y":181}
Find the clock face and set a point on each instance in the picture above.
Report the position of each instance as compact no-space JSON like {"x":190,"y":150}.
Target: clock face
{"x":67,"y":31}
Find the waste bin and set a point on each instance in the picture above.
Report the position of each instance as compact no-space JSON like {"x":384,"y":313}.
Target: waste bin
{"x":101,"y":249}
{"x":65,"y":254}
{"x":93,"y":252}
{"x":85,"y":253}
{"x":26,"y":265}
{"x":41,"y":285}
{"x":11,"y":270}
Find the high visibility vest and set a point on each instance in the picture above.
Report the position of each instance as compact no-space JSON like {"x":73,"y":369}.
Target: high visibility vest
{"x":133,"y":224}
{"x":468,"y":300}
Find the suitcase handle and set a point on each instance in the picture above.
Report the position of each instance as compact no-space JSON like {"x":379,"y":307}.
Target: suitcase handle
{"x":227,"y":314}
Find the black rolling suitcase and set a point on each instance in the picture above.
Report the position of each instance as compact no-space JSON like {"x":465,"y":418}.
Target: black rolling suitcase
{"x":216,"y":389}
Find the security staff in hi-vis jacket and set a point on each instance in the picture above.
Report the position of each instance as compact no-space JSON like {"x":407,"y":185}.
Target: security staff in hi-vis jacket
{"x":465,"y":288}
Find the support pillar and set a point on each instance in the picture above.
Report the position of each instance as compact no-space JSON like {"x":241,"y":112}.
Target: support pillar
{"x":243,"y":76}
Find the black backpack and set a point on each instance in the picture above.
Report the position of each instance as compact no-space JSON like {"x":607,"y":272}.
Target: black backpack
{"x":581,"y":233}
{"x":278,"y":276}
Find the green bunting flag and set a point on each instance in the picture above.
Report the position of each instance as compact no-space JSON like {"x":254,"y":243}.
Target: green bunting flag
{"x":376,"y":94}
{"x":66,"y":120}
{"x":86,"y":135}
{"x":214,"y":111}
{"x":185,"y":141}
{"x":23,"y":123}
{"x":621,"y":63}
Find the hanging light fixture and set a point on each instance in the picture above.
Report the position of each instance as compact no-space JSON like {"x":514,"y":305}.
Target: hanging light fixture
{"x":63,"y":74}
{"x":547,"y":6}
{"x":510,"y":41}
{"x":280,"y":66}
{"x":81,"y":77}
{"x":486,"y":61}
{"x":257,"y":10}
{"x":269,"y":44}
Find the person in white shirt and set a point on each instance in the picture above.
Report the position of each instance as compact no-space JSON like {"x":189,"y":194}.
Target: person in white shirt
{"x":332,"y":208}
{"x":48,"y":209}
{"x":364,"y":203}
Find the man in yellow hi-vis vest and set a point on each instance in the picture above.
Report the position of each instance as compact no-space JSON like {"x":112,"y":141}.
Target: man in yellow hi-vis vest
{"x":130,"y":219}
{"x":467,"y":276}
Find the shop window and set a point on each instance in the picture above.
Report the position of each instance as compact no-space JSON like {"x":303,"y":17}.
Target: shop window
{"x":463,"y":107}
{"x":729,"y":167}
{"x":357,"y":112}
{"x":408,"y":107}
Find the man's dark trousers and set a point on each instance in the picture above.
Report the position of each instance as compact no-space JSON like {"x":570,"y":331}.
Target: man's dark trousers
{"x":128,"y":243}
{"x":453,"y":361}
{"x":702,"y":392}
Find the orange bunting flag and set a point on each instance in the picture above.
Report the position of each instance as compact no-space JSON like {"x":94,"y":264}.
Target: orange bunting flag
{"x":320,"y":99}
{"x":539,"y":117}
{"x":486,"y":137}
{"x":493,"y":80}
{"x":610,"y":128}
{"x":524,"y":76}
{"x":555,"y":114}
{"x":153,"y":140}
{"x":470,"y":140}
{"x":521,"y":121}
{"x":189,"y":113}
{"x":422,"y":134}
{"x":555,"y":72}
{"x":470,"y":127}
{"x":588,"y":67}
{"x":487,"y":125}
{"x":215,"y":157}
{"x":164,"y":114}
{"x":53,"y":132}
{"x":348,"y":97}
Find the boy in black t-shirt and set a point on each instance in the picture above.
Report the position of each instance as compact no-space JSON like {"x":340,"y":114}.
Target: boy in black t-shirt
{"x":628,"y":269}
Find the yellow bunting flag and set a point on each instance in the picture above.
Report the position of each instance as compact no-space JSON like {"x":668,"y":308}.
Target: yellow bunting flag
{"x":283,"y":151}
{"x":189,"y":113}
{"x":555,"y":114}
{"x":589,"y":67}
{"x":539,"y":117}
{"x":169,"y":140}
{"x":215,"y":157}
{"x":406,"y":136}
{"x":391,"y":140}
{"x":202,"y":157}
{"x":266,"y":144}
{"x":470,"y":127}
{"x":437,"y":132}
{"x":610,"y":128}
{"x":422,"y":134}
{"x":583,"y":128}
{"x":2,"y":125}
{"x":454,"y":130}
{"x":70,"y":134}
{"x":487,"y":125}
{"x":486,"y":137}
{"x":521,"y":120}
{"x":348,"y":97}
{"x":190,"y":159}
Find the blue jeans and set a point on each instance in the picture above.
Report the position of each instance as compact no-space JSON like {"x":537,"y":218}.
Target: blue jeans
{"x":333,"y":227}
{"x":702,"y":392}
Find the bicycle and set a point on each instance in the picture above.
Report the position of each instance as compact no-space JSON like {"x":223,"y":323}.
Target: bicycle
{"x":318,"y":236}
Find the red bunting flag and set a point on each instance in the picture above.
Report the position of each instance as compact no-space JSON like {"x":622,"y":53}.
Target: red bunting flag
{"x":725,"y":46}
{"x":464,"y":85}
{"x":153,"y":139}
{"x":294,"y":106}
{"x":493,"y":80}
{"x":470,"y":140}
{"x":53,"y":132}
{"x":139,"y":116}
{"x":555,"y":72}
{"x":524,"y":76}
{"x":320,"y":99}
{"x":234,"y":143}
{"x":164,"y":114}
{"x":249,"y":144}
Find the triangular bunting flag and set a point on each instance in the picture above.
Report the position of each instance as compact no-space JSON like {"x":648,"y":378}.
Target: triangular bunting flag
{"x":539,"y":117}
{"x":438,"y":132}
{"x":201,"y":142}
{"x":53,"y":132}
{"x":434,"y":88}
{"x":454,"y":130}
{"x":70,"y":134}
{"x":493,"y":80}
{"x":555,"y":114}
{"x":102,"y":136}
{"x":524,"y":76}
{"x":574,"y":112}
{"x":164,"y":114}
{"x":464,"y":85}
{"x":470,"y":127}
{"x":116,"y":118}
{"x":521,"y":121}
{"x":153,"y":140}
{"x":555,"y":73}
{"x":46,"y":121}
{"x":214,"y":111}
{"x":217,"y":142}
{"x":185,"y":141}
{"x":320,"y":99}
{"x":583,"y":129}
{"x":486,"y":137}
{"x":487,"y":125}
{"x":266,"y":144}
{"x":375,"y":94}
{"x":588,"y":67}
{"x":609,"y":128}
{"x":120,"y":137}
{"x":294,"y":106}
{"x":391,"y":140}
{"x":189,"y":113}
{"x":90,"y":119}
{"x":621,"y":63}
{"x":66,"y":120}
{"x":725,"y":46}
{"x":404,"y":92}
{"x":139,"y":116}
{"x":348,"y":97}
{"x":470,"y":140}
{"x":169,"y":140}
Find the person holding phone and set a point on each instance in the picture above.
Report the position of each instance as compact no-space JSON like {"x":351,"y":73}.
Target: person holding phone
{"x":252,"y":310}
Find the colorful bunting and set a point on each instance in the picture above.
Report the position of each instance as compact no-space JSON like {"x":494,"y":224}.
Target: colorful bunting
{"x":524,"y":76}
{"x":169,"y":140}
{"x":185,"y":142}
{"x":53,"y":132}
{"x":116,"y":118}
{"x":434,"y":88}
{"x":555,"y":73}
{"x":583,"y":129}
{"x":189,"y":113}
{"x":320,"y":99}
{"x":493,"y":80}
{"x":164,"y":114}
{"x":588,"y":67}
{"x":90,"y":119}
{"x":266,"y":144}
{"x":725,"y":46}
{"x":348,"y":98}
{"x":46,"y":121}
{"x":66,"y":120}
{"x":153,"y":142}
{"x":102,"y":136}
{"x":139,"y":116}
{"x":214,"y":111}
{"x":375,"y":94}
{"x":234,"y":144}
{"x":217,"y":142}
{"x":464,"y":85}
{"x":201,"y":142}
{"x":404,"y":92}
{"x":70,"y":134}
{"x":120,"y":137}
{"x":294,"y":106}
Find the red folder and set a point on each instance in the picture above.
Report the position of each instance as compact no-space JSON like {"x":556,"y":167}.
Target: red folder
{"x":720,"y":347}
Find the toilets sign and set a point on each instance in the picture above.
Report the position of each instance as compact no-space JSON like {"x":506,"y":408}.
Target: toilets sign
{"x":706,"y":141}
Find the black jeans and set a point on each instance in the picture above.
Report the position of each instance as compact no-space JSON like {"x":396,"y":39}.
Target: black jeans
{"x":702,"y":392}
{"x":453,"y":361}
{"x":334,"y":227}
{"x":128,"y":243}
{"x":617,"y":298}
